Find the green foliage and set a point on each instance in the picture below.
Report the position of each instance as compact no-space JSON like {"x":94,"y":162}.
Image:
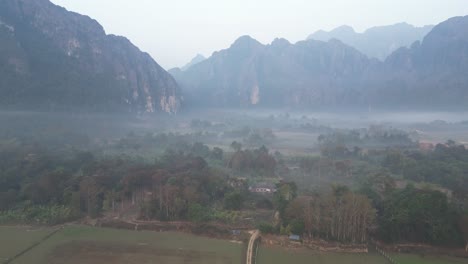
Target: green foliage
{"x":258,"y":138}
{"x":198,"y":213}
{"x":286,"y":192}
{"x":419,"y":216}
{"x":339,"y":215}
{"x":257,"y":160}
{"x":228,"y":217}
{"x":89,"y":184}
{"x":217,"y":153}
{"x":266,"y":228}
{"x":236,"y":146}
{"x":201,"y":150}
{"x":285,"y":230}
{"x":297,"y":226}
{"x":39,"y":175}
{"x":43,"y":215}
{"x":446,"y":165}
{"x":374,"y":136}
{"x":233,"y":201}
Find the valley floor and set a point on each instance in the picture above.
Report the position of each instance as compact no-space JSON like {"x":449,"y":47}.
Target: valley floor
{"x":274,"y":255}
{"x":83,"y":244}
{"x":80,"y":244}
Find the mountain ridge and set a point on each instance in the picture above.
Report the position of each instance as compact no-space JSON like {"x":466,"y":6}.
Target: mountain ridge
{"x":317,"y":74}
{"x":57,"y":60}
{"x":377,"y":42}
{"x":237,"y":76}
{"x":197,"y":59}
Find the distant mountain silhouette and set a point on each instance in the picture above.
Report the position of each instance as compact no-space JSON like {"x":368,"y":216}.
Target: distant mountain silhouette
{"x":52,"y":59}
{"x":314,"y":74}
{"x":376,"y":42}
{"x":197,"y":59}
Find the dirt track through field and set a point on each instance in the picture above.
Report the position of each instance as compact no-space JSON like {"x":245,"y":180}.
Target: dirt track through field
{"x":10,"y":260}
{"x":250,"y":247}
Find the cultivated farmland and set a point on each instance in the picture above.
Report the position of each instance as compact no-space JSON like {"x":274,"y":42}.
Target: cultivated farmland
{"x":77,"y":244}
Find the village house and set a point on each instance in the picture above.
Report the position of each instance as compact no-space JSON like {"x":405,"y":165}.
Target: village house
{"x":238,"y":182}
{"x":262,"y":188}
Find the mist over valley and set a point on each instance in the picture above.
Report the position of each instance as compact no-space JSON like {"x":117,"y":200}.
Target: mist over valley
{"x":341,"y":147}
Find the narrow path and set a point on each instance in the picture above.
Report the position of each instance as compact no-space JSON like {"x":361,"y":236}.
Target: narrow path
{"x":250,"y":247}
{"x":10,"y":260}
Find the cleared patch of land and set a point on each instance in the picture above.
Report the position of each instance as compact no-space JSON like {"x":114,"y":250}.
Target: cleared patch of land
{"x":78,"y":244}
{"x":295,"y":143}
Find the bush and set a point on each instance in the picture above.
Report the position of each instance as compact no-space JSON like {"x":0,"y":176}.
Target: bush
{"x":228,"y":217}
{"x":198,"y":213}
{"x":43,"y":215}
{"x":266,"y":228}
{"x":297,"y":227}
{"x":233,"y":201}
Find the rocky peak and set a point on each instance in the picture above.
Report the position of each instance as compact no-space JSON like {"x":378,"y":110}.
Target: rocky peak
{"x":280,"y":43}
{"x":245,"y":42}
{"x":344,"y":29}
{"x":197,"y":59}
{"x":376,"y":42}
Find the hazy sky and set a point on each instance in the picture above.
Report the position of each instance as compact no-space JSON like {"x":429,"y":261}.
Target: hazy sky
{"x":174,"y":31}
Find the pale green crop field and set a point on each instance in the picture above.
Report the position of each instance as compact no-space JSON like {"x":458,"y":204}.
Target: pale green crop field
{"x":15,"y":239}
{"x":81,"y":244}
{"x":300,"y":256}
{"x":78,"y":244}
{"x":417,"y":259}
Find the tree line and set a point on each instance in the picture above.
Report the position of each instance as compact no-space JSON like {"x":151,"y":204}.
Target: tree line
{"x":193,"y":182}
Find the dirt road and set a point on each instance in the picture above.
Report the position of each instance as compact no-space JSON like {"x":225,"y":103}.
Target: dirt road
{"x":250,"y":247}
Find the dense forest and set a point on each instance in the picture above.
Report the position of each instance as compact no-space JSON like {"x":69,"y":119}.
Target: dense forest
{"x":349,"y":192}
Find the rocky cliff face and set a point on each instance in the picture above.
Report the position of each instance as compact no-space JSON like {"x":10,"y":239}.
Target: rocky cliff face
{"x":433,"y":71}
{"x":430,"y":74}
{"x":280,"y":74}
{"x":54,"y":59}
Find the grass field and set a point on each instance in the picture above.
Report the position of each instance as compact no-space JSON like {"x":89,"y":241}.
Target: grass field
{"x":15,"y":239}
{"x":302,"y":256}
{"x":416,"y":259}
{"x":79,"y":244}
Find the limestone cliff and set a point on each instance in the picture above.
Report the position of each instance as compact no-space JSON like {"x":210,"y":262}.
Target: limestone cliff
{"x":53,"y":59}
{"x":431,"y":74}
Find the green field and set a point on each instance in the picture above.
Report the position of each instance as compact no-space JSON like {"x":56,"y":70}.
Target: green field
{"x":15,"y":239}
{"x":302,"y":256}
{"x":415,"y":259}
{"x":79,"y":244}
